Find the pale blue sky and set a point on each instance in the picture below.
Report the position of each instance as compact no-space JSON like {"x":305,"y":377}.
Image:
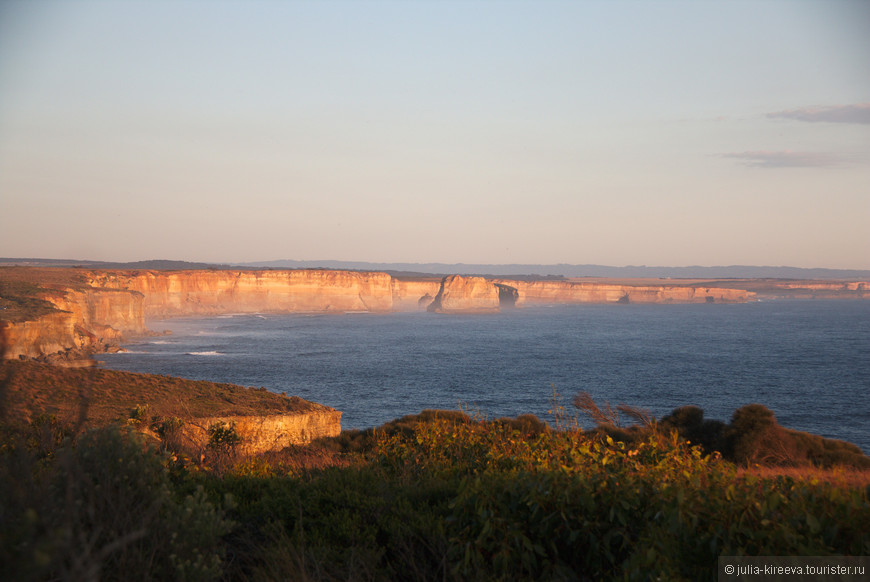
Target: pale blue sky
{"x":619,"y":132}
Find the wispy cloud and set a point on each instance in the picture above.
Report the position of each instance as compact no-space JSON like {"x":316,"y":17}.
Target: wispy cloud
{"x":785,"y":159}
{"x":857,"y":113}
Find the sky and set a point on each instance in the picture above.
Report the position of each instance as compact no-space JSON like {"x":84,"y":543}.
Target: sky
{"x":583,"y":132}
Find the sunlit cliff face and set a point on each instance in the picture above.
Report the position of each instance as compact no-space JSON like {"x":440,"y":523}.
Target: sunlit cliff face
{"x":465,"y":295}
{"x":272,"y":432}
{"x":170,"y":294}
{"x":567,"y":292}
{"x":114,"y":304}
{"x":87,"y":321}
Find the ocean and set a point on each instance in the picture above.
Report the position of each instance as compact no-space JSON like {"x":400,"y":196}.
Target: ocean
{"x":808,"y":361}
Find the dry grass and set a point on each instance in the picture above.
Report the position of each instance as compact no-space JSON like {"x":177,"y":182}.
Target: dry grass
{"x":45,"y":276}
{"x":24,"y":290}
{"x":32,"y":388}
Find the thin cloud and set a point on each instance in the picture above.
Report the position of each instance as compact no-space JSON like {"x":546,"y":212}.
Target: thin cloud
{"x":784,"y":159}
{"x":857,"y":113}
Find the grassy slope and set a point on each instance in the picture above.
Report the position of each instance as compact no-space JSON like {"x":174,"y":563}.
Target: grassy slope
{"x":28,"y":389}
{"x":23,"y":290}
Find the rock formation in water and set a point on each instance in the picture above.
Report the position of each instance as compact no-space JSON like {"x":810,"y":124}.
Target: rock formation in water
{"x":459,"y":294}
{"x":414,"y":294}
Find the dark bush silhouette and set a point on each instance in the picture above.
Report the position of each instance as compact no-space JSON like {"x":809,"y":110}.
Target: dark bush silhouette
{"x":527,"y":424}
{"x":753,"y":437}
{"x":752,"y":418}
{"x":689,"y":423}
{"x":684,"y":418}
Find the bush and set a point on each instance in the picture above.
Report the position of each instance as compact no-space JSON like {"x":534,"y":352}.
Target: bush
{"x":223,"y":437}
{"x":221,"y":452}
{"x":339,"y":524}
{"x":139,"y":414}
{"x":684,"y":419}
{"x":103,"y":508}
{"x":526,"y":424}
{"x":364,"y":442}
{"x":690,"y":424}
{"x":169,"y":430}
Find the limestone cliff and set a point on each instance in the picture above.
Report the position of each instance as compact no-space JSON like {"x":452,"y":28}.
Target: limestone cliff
{"x":107,"y":312}
{"x":174,"y":293}
{"x":48,"y":334}
{"x":414,"y":294}
{"x":843,"y":286}
{"x":83,"y":320}
{"x":260,"y":434}
{"x":820,"y":290}
{"x":92,"y":310}
{"x":458,"y":294}
{"x":565,"y":292}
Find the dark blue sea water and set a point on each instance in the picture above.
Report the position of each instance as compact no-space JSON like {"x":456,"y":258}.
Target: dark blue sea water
{"x":808,"y":361}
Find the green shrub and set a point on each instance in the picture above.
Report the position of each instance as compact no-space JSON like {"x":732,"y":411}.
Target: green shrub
{"x":222,"y":436}
{"x":169,"y":430}
{"x":103,"y":508}
{"x":139,"y":414}
{"x":526,"y":424}
{"x":339,"y":524}
{"x":658,"y":511}
{"x":685,"y":418}
{"x":364,"y":442}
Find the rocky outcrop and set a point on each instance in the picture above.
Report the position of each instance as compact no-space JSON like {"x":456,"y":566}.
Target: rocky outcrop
{"x":260,"y":434}
{"x":87,"y":321}
{"x":566,"y":292}
{"x":48,"y":334}
{"x":414,"y":294}
{"x":174,"y":293}
{"x":459,"y":294}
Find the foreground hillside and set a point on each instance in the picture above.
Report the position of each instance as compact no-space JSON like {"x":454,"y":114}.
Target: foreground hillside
{"x":106,"y":396}
{"x":436,"y":496}
{"x":189,"y":410}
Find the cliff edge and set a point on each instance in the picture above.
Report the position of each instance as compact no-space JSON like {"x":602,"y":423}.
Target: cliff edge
{"x":56,"y":315}
{"x":179,"y":293}
{"x":66,"y":315}
{"x":264,"y":420}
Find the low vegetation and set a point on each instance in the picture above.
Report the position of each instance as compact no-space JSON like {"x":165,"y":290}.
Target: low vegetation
{"x":753,"y":437}
{"x":31,"y":388}
{"x":437,"y":496}
{"x":22,"y":301}
{"x":23,"y":290}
